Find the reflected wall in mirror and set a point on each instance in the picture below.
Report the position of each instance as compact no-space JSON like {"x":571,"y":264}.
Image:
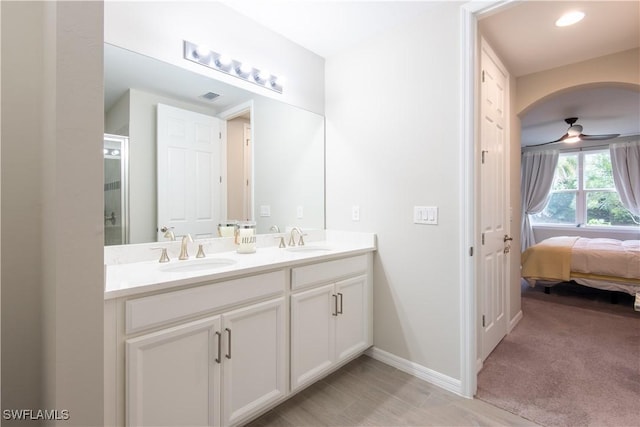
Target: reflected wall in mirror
{"x":272,"y":154}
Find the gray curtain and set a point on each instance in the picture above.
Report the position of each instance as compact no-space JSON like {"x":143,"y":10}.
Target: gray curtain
{"x":625,"y":164}
{"x":536,"y":177}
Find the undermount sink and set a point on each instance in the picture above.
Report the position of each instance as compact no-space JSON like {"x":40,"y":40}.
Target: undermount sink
{"x":197,"y":265}
{"x":308,"y":248}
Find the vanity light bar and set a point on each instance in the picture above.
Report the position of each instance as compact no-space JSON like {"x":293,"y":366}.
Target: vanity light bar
{"x":217,"y":61}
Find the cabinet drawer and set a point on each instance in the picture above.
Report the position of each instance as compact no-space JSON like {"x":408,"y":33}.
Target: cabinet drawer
{"x":155,"y":310}
{"x":324,"y":272}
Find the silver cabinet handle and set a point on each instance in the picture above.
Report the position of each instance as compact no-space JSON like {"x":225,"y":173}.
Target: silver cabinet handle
{"x":340,"y":310}
{"x":218,"y":360}
{"x":335,"y":305}
{"x":228,"y":355}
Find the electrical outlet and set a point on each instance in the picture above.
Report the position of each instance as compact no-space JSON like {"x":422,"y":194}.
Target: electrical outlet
{"x":265,"y":210}
{"x":355,"y":213}
{"x":300,"y":212}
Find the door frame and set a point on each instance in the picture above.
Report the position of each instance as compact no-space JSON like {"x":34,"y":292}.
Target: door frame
{"x":468,"y":127}
{"x":225,"y":116}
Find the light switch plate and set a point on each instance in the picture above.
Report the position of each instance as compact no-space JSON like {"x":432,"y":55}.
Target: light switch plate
{"x":300,"y":212}
{"x":425,"y":215}
{"x":355,"y":213}
{"x":265,"y":210}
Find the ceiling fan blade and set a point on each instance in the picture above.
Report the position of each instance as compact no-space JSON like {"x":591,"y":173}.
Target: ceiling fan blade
{"x":599,"y":137}
{"x":562,"y":138}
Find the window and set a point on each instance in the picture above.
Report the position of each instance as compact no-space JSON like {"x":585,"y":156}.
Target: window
{"x":583,"y":193}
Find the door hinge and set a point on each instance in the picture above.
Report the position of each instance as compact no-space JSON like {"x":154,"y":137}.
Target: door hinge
{"x":219,"y":135}
{"x":483,"y":321}
{"x":482,"y":76}
{"x":483,"y":238}
{"x":483,"y":153}
{"x":220,"y":180}
{"x":471,"y":251}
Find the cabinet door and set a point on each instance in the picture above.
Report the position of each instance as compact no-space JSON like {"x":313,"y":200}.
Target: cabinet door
{"x":254,"y":353}
{"x":352,"y":334}
{"x":313,"y":316}
{"x":172,"y":377}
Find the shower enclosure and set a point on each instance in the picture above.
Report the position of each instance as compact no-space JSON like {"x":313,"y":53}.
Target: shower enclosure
{"x":116,"y":197}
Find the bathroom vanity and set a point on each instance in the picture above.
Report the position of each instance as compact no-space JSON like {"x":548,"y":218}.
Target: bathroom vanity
{"x":220,"y":340}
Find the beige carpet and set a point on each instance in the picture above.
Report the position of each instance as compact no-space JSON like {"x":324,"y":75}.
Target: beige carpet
{"x":568,"y":363}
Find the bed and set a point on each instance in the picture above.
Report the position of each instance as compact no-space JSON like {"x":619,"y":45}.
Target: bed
{"x":608,"y":264}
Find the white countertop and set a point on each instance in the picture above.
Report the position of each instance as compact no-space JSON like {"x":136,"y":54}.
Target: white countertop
{"x":131,"y":278}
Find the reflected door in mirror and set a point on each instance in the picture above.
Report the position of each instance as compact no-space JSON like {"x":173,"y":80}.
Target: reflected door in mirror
{"x":189,"y":177}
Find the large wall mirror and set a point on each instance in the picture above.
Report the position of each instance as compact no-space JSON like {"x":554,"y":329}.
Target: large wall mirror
{"x":269,"y":168}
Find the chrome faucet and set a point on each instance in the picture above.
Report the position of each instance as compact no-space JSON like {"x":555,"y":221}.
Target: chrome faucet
{"x":292,"y":240}
{"x":183,"y":246}
{"x":275,"y":229}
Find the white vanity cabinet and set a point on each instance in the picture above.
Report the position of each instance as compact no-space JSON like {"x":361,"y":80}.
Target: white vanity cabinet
{"x":205,"y":369}
{"x":330,"y":316}
{"x":207,"y":372}
{"x":222,"y":352}
{"x":172,"y":378}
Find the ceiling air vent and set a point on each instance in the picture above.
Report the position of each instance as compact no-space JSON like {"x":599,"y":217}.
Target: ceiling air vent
{"x":209,"y":96}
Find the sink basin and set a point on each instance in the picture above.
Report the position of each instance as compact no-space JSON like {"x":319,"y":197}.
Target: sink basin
{"x":197,"y":265}
{"x":308,"y":248}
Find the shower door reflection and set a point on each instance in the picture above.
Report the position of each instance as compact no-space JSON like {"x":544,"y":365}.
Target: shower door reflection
{"x":116,"y":209}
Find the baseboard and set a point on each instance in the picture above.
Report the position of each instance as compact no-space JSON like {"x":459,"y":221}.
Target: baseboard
{"x":514,"y":322}
{"x":436,"y":378}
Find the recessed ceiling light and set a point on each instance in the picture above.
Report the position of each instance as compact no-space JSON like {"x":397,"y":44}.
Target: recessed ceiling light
{"x":569,"y":18}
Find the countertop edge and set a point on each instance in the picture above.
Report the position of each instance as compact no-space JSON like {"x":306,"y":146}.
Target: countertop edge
{"x":238,"y":272}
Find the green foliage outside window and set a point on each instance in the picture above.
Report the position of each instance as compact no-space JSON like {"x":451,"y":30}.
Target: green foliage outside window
{"x":602,"y":205}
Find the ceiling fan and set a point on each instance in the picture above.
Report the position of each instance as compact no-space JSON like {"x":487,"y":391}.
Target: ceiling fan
{"x":574,"y":134}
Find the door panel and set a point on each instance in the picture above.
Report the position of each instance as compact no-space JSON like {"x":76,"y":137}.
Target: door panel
{"x":313,"y":315}
{"x":351,"y":327}
{"x":172,"y":376}
{"x":254,"y":369}
{"x":189,"y":156}
{"x":493,"y":202}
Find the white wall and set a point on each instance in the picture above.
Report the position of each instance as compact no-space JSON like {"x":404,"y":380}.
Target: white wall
{"x":158,"y":28}
{"x":392,"y":111}
{"x":116,"y":120}
{"x":289,"y":143}
{"x":52,"y":271}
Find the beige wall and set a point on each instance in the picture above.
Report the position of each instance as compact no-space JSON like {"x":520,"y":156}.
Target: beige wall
{"x":52,"y":275}
{"x":621,"y":67}
{"x":22,"y":99}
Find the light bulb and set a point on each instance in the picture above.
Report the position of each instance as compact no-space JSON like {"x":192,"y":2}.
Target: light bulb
{"x":569,"y":18}
{"x":202,"y":51}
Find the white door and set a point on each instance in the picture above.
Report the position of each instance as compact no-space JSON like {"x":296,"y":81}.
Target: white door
{"x":351,"y":327}
{"x":313,"y":314}
{"x":254,"y":353}
{"x":494,"y":181}
{"x":189,"y":178}
{"x":173,"y":377}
